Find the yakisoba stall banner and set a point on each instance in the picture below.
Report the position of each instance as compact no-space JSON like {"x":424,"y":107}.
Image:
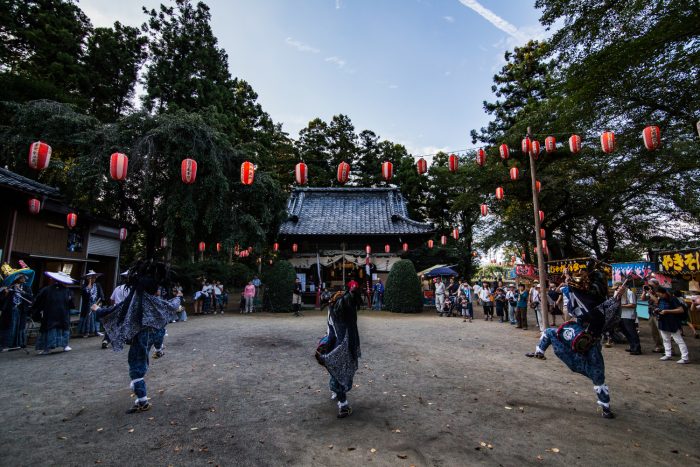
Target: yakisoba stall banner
{"x":680,"y":262}
{"x":556,"y":268}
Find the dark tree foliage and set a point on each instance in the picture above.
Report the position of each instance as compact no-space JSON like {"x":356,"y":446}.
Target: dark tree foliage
{"x":279,"y":285}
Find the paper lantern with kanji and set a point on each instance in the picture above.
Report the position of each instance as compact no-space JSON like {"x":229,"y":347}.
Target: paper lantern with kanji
{"x":550,"y":144}
{"x":202,"y":246}
{"x":514,"y":173}
{"x":504,"y":151}
{"x":652,"y":137}
{"x":295,"y":247}
{"x":575,"y":144}
{"x":443,"y":240}
{"x":387,"y":248}
{"x":421,"y":166}
{"x":188,"y":171}
{"x":405,"y":247}
{"x":39,"y":155}
{"x":481,"y":157}
{"x":499,"y":193}
{"x":387,"y":170}
{"x":607,"y":141}
{"x":34,"y":206}
{"x":343,"y":172}
{"x":118,"y":166}
{"x":71,"y":220}
{"x":430,"y":243}
{"x":543,"y":233}
{"x":535,"y":149}
{"x":164,"y":242}
{"x":218,"y":247}
{"x":122,"y":234}
{"x":538,"y":186}
{"x":541,"y":216}
{"x":455,"y":233}
{"x":484,"y":210}
{"x":247,"y":173}
{"x":275,"y":246}
{"x":453,"y":163}
{"x":368,"y":249}
{"x":525,"y":145}
{"x":301,"y":173}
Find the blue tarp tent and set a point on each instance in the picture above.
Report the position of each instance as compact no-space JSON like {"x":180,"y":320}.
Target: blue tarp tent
{"x":443,"y":271}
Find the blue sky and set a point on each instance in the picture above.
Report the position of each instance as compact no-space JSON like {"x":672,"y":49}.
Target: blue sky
{"x":413,"y":71}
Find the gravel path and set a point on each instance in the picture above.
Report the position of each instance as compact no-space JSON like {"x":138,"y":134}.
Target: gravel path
{"x":245,"y":390}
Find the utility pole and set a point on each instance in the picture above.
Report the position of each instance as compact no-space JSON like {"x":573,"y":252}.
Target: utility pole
{"x":544,"y":304}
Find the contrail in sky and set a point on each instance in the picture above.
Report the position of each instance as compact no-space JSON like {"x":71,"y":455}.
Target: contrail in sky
{"x":493,"y":18}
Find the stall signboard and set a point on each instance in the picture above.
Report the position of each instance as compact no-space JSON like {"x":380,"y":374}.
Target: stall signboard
{"x":524,"y":270}
{"x":674,"y":263}
{"x":635,"y":271}
{"x":556,"y":268}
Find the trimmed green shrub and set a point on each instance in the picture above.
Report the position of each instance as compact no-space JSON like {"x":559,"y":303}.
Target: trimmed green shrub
{"x":279,"y":285}
{"x":402,"y":293}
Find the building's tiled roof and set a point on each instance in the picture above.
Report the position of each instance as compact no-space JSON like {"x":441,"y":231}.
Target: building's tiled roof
{"x":349,"y":211}
{"x":27,"y":185}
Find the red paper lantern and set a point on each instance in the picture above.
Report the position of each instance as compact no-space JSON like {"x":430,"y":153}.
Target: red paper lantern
{"x":218,"y":247}
{"x":188,"y":171}
{"x":71,"y":220}
{"x":652,"y":137}
{"x":164,"y":242}
{"x":443,"y":240}
{"x":301,"y":173}
{"x":575,"y":144}
{"x":343,"y":172}
{"x":525,"y":145}
{"x":481,"y":157}
{"x":484,"y":210}
{"x":405,"y":247}
{"x":475,"y":254}
{"x":544,"y":245}
{"x":122,"y":234}
{"x":535,"y":149}
{"x":202,"y":246}
{"x":430,"y":243}
{"x":538,"y":186}
{"x":455,"y":233}
{"x":387,"y":170}
{"x":34,"y":206}
{"x":39,"y":155}
{"x":514,"y":173}
{"x":368,"y":249}
{"x":243,"y":254}
{"x":421,"y":166}
{"x":453,"y":163}
{"x":295,"y":247}
{"x":250,"y":249}
{"x":550,"y":144}
{"x":541,"y":216}
{"x":275,"y":246}
{"x":504,"y":151}
{"x":499,"y":193}
{"x":607,"y":141}
{"x":543,"y":233}
{"x":387,"y":248}
{"x":247,"y":173}
{"x":118,"y":166}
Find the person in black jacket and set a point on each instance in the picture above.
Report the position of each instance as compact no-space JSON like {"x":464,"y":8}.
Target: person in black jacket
{"x":52,"y":306}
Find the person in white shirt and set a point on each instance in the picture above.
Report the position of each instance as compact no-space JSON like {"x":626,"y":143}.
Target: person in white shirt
{"x":218,"y":298}
{"x":487,"y":303}
{"x":535,"y":305}
{"x":439,"y":294}
{"x":628,"y":304}
{"x":511,"y":300}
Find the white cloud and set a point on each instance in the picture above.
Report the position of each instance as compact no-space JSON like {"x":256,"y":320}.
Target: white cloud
{"x":300,"y":46}
{"x":449,"y":19}
{"x":393,"y":86}
{"x":339,"y":62}
{"x":337,"y":4}
{"x":448,"y":73}
{"x":494,"y":19}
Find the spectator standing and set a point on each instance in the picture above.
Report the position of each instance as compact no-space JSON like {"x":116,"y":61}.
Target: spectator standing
{"x":378,"y":292}
{"x":670,"y":314}
{"x":257,"y":283}
{"x":218,"y":296}
{"x":512,"y":303}
{"x":500,"y":301}
{"x":649,"y":293}
{"x":535,"y":305}
{"x":296,"y":297}
{"x":628,"y":304}
{"x":521,"y":307}
{"x":249,"y":294}
{"x":554,"y":300}
{"x":439,"y":294}
{"x":466,"y":297}
{"x":486,"y":301}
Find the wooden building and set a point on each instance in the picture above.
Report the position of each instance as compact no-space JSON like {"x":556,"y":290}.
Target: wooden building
{"x":44,"y":241}
{"x":333,"y":227}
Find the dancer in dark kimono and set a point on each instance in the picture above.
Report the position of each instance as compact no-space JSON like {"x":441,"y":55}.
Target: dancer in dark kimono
{"x":52,"y":306}
{"x":92,"y":293}
{"x":577,"y":342}
{"x":140,"y":321}
{"x":339,"y":350}
{"x":15,"y":303}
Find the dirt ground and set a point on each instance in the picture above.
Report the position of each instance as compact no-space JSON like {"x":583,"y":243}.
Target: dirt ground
{"x":245,"y":390}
